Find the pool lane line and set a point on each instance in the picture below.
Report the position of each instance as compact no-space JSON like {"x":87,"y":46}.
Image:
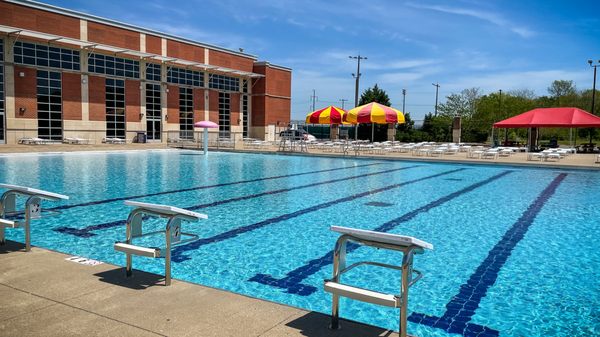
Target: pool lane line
{"x":292,"y":282}
{"x":177,"y":253}
{"x":86,"y":232}
{"x":98,"y":202}
{"x":462,"y":306}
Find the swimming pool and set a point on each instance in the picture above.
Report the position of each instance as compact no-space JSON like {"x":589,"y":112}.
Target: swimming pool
{"x":516,"y":250}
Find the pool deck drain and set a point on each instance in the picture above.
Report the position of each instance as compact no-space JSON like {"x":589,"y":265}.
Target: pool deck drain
{"x":42,"y":294}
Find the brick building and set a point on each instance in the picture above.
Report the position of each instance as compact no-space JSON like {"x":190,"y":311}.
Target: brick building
{"x":69,"y":74}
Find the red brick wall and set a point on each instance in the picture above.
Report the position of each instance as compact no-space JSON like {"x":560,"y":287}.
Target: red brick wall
{"x":276,"y":82}
{"x":198,"y":105}
{"x":277,"y":109}
{"x":153,"y":44}
{"x":234,"y":108}
{"x":279,"y":82}
{"x":33,"y":19}
{"x":258,"y":110}
{"x":97,"y":97}
{"x":132,"y":101}
{"x":71,"y":93}
{"x":185,"y":51}
{"x":26,"y":92}
{"x":113,"y":36}
{"x":222,"y":59}
{"x":213,"y":106}
{"x":267,"y":109}
{"x":173,"y":104}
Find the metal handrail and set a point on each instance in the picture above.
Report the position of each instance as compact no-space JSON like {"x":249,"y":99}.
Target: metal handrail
{"x":406,"y":268}
{"x":172,"y":232}
{"x":32,"y":211}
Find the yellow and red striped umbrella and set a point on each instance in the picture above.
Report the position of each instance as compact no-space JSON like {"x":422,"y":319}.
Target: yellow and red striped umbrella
{"x":328,"y":115}
{"x":374,"y":113}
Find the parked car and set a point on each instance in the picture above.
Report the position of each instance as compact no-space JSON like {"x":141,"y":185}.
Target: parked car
{"x":297,"y":134}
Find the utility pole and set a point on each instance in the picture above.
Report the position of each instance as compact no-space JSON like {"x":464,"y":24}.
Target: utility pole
{"x":591,"y":63}
{"x":403,"y":100}
{"x":357,"y":76}
{"x":343,"y":100}
{"x":314,"y":99}
{"x":437,"y":88}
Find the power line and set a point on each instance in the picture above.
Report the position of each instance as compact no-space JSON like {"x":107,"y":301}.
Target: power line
{"x":343,"y":100}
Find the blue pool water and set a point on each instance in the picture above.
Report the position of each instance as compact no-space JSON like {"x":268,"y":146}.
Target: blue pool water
{"x":516,"y":250}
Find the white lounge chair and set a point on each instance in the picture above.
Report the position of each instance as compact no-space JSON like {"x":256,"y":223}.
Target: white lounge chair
{"x":491,"y":153}
{"x":109,"y":140}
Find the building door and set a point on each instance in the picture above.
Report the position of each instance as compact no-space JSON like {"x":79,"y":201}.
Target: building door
{"x":49,"y":103}
{"x":153,"y":111}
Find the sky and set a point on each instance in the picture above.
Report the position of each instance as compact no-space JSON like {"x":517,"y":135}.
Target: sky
{"x":493,"y":45}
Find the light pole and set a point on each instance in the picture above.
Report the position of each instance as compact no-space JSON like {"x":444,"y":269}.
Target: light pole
{"x":357,"y":77}
{"x":437,"y":88}
{"x":591,"y":63}
{"x":502,"y":113}
{"x":403,"y":100}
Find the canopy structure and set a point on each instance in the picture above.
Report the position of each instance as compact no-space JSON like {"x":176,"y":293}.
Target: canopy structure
{"x":551,"y":118}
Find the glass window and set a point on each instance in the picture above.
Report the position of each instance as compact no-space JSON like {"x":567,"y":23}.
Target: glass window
{"x":113,"y":66}
{"x":245,"y":117}
{"x":186,"y":113}
{"x":49,"y":101}
{"x":224,"y":114}
{"x":222,"y":82}
{"x":153,"y":111}
{"x":153,"y":72}
{"x":115,"y":108}
{"x":185,"y":77}
{"x":44,"y":56}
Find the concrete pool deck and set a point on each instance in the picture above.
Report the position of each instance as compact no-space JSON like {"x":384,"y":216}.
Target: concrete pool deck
{"x":42,"y":294}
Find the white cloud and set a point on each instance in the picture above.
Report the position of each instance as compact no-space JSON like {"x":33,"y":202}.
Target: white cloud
{"x":481,"y":15}
{"x":538,"y":81}
{"x":399,"y":64}
{"x":400,"y":77}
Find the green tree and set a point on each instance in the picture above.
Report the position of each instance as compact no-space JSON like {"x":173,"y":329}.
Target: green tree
{"x":462,"y":104}
{"x":374,"y":95}
{"x":560,"y":88}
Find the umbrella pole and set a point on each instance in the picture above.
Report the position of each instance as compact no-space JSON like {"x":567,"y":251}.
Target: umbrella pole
{"x":373,"y":132}
{"x":205,"y":141}
{"x":492,"y":136}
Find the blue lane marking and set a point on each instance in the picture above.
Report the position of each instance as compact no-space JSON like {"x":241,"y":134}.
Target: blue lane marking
{"x":178,"y":251}
{"x":98,"y":202}
{"x":292,"y":282}
{"x":86,"y":232}
{"x":462,"y":306}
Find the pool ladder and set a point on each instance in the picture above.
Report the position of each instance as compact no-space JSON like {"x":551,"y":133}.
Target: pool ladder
{"x":32,"y":211}
{"x":409,"y":246}
{"x":172,"y":233}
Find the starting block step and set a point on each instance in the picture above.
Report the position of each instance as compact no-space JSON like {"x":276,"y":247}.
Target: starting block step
{"x":364,"y":295}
